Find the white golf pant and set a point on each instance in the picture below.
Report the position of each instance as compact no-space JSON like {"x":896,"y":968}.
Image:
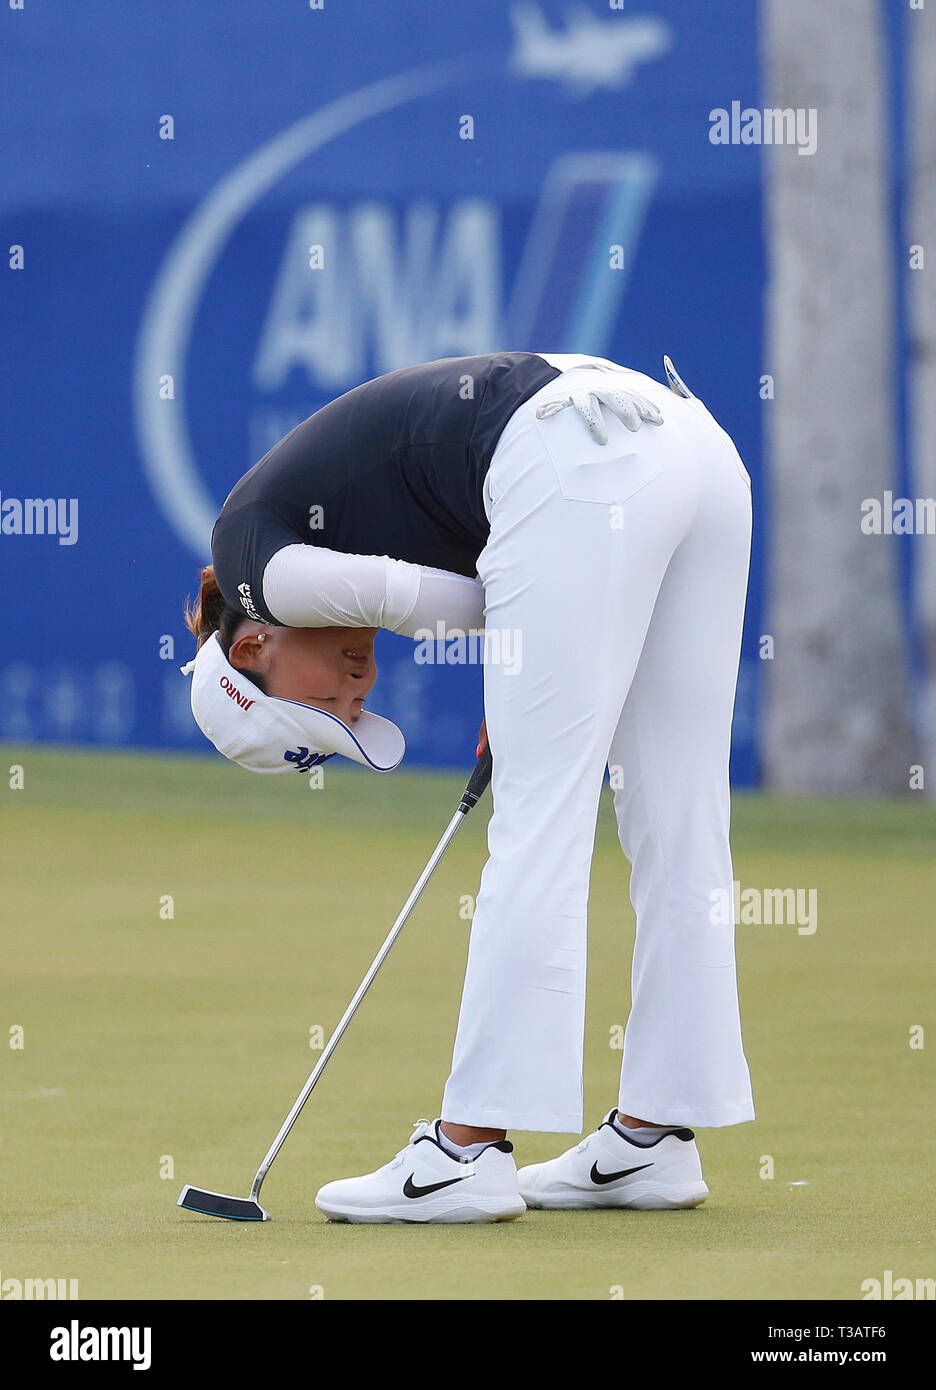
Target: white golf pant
{"x":622,"y":569}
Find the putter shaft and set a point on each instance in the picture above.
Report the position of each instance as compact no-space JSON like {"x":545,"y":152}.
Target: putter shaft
{"x":249,"y":1209}
{"x":333,"y":1041}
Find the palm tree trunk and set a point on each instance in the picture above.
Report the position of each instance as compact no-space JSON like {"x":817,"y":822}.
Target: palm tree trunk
{"x":836,"y":717}
{"x":921,"y":227}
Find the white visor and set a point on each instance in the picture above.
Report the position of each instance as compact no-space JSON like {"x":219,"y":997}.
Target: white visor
{"x":267,"y":734}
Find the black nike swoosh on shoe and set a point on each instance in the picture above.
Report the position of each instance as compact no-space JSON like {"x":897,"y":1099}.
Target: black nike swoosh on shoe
{"x":600,"y":1178}
{"x":410,"y":1190}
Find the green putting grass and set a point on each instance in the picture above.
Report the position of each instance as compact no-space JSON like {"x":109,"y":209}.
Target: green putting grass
{"x":155,"y":1045}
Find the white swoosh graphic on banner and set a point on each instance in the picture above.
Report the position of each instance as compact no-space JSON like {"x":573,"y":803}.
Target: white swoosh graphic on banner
{"x":166,"y":324}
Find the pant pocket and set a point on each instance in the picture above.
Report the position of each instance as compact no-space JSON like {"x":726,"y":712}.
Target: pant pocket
{"x":603,"y":473}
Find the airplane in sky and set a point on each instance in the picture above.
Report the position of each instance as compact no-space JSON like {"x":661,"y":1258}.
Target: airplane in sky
{"x":589,"y":52}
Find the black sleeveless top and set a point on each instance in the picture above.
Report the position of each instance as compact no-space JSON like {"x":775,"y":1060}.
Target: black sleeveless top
{"x":394,"y":467}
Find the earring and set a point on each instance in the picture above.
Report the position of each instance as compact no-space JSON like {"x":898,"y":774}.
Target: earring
{"x":261,"y":636}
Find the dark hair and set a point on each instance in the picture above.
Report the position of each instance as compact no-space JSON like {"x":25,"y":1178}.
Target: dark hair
{"x":211,"y":613}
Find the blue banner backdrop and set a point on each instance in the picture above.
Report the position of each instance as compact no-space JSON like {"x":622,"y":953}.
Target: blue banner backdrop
{"x":529,"y":175}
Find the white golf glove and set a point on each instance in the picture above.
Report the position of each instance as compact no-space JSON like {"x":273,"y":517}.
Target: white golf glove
{"x":630,"y":407}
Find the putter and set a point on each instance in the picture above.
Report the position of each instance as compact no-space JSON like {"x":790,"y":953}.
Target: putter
{"x":249,"y":1208}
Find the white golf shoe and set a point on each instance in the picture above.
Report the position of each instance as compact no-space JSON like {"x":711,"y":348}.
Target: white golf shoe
{"x":608,"y":1170}
{"x":425,"y":1183}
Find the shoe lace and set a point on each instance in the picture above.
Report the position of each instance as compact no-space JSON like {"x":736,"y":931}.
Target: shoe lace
{"x":419,"y":1129}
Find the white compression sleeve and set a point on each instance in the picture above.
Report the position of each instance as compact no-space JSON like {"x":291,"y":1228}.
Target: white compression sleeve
{"x":310,"y":586}
{"x":453,"y":600}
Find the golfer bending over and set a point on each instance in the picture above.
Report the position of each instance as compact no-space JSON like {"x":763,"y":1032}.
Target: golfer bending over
{"x":606,"y":519}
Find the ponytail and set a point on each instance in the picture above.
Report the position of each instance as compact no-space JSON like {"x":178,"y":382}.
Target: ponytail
{"x":211,"y":613}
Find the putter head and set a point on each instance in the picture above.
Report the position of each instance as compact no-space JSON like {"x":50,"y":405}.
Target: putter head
{"x":219,"y":1204}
